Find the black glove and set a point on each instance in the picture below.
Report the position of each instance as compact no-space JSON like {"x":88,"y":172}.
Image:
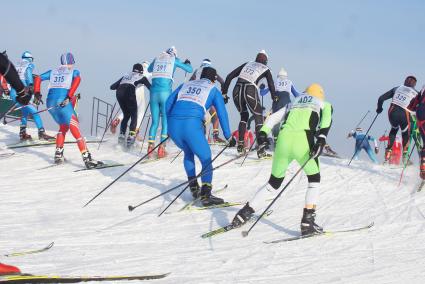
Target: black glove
{"x":64,"y":102}
{"x":37,"y":99}
{"x":78,"y":96}
{"x":231,"y":142}
{"x":318,"y":147}
{"x":24,"y":97}
{"x":379,"y":109}
{"x":262,"y":86}
{"x":187,"y":61}
{"x":225,"y":98}
{"x":376,"y":150}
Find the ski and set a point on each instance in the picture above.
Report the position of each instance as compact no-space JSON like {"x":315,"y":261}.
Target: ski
{"x":37,"y":143}
{"x":30,"y":251}
{"x":190,"y":204}
{"x":105,"y":165}
{"x":421,"y":185}
{"x":231,"y":227}
{"x":224,"y":205}
{"x":53,"y":165}
{"x":27,"y":278}
{"x":325,"y":233}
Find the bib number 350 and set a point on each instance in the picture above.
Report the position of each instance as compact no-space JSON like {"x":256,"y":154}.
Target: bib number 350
{"x":194,"y":90}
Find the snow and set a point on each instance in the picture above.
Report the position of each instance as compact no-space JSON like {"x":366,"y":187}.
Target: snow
{"x":104,"y":238}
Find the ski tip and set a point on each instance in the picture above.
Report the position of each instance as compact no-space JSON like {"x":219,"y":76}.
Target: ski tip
{"x":245,"y":234}
{"x":130,"y":208}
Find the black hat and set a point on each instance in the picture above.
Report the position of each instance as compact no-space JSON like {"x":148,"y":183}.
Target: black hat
{"x":138,"y":68}
{"x":410,"y":81}
{"x":209,"y":73}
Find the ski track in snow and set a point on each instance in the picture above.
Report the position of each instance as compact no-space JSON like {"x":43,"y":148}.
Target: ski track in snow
{"x":41,"y":206}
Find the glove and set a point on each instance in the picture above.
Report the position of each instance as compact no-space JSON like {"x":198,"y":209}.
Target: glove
{"x":78,"y":96}
{"x":187,"y":61}
{"x":262,"y":86}
{"x":379,"y":109}
{"x":376,"y":150}
{"x":24,"y":97}
{"x":231,"y":142}
{"x":225,"y":98}
{"x":37,"y":99}
{"x":318,"y":147}
{"x":262,"y":139}
{"x":64,"y":102}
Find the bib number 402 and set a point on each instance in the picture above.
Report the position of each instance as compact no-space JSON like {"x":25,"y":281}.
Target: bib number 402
{"x":304,"y":100}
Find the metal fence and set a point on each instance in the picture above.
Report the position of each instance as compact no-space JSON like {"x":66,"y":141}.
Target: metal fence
{"x":101,"y":112}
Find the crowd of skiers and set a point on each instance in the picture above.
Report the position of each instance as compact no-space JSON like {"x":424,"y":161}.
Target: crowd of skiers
{"x":299,"y":122}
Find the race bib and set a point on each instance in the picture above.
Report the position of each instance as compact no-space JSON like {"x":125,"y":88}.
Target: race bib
{"x":131,"y":78}
{"x":61,"y":78}
{"x":283,"y":85}
{"x":403,"y":95}
{"x":21,"y":68}
{"x":308,"y":102}
{"x":252,"y":70}
{"x":163,"y":66}
{"x":196,"y":91}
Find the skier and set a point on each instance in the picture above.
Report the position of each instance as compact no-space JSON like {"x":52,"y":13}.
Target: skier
{"x":395,"y":150}
{"x":214,"y":120}
{"x":141,"y":104}
{"x":248,"y":139}
{"x":25,"y":68}
{"x":162,"y":69}
{"x":186,"y":108}
{"x":8,"y":71}
{"x":126,"y":95}
{"x":63,"y":82}
{"x":9,"y":269}
{"x":296,"y":142}
{"x":362,"y":143}
{"x":399,"y":113}
{"x":419,"y":106}
{"x":246,"y":95}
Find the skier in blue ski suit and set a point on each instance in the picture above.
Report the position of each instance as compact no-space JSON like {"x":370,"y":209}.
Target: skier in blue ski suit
{"x":186,"y":108}
{"x":162,"y":69}
{"x":359,"y":136}
{"x":25,"y":69}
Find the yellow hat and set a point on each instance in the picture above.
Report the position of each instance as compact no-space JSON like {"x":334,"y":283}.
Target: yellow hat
{"x":315,"y":90}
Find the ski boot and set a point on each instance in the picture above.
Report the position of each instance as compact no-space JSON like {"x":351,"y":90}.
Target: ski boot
{"x":161,"y":151}
{"x":262,"y":153}
{"x":23,"y":134}
{"x":308,"y":226}
{"x":59,"y":159}
{"x":114,"y":125}
{"x":243,"y":216}
{"x":151,"y":146}
{"x":131,"y":138}
{"x":241,"y":148}
{"x":207,"y":199}
{"x":89,"y":162}
{"x":217,"y":139}
{"x":43,"y":136}
{"x":9,"y":269}
{"x":388,"y":153}
{"x":422,"y":168}
{"x":194,"y":187}
{"x":121,"y":138}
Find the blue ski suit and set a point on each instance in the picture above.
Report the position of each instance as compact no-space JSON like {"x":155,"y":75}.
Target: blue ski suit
{"x":186,"y":108}
{"x":25,"y":70}
{"x":162,"y":82}
{"x":364,"y":146}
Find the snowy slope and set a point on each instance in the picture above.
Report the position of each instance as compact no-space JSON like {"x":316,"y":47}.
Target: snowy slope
{"x":41,"y":206}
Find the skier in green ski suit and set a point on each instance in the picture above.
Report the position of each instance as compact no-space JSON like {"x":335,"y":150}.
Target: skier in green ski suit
{"x":302,"y":136}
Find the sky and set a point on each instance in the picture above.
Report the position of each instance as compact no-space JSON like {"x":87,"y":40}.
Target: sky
{"x":357,"y":50}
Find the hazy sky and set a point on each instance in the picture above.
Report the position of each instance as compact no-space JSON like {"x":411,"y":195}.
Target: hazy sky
{"x":356,"y":50}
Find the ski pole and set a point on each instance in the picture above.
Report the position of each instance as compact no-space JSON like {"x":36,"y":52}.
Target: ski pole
{"x":47,"y":109}
{"x":144,"y":136}
{"x":178,"y":154}
{"x":108,"y":123}
{"x":245,"y":233}
{"x":249,"y":150}
{"x":405,"y":165}
{"x":144,"y":114}
{"x":184,"y":189}
{"x":358,"y":124}
{"x":131,"y":208}
{"x":126,"y":171}
{"x":367,"y":132}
